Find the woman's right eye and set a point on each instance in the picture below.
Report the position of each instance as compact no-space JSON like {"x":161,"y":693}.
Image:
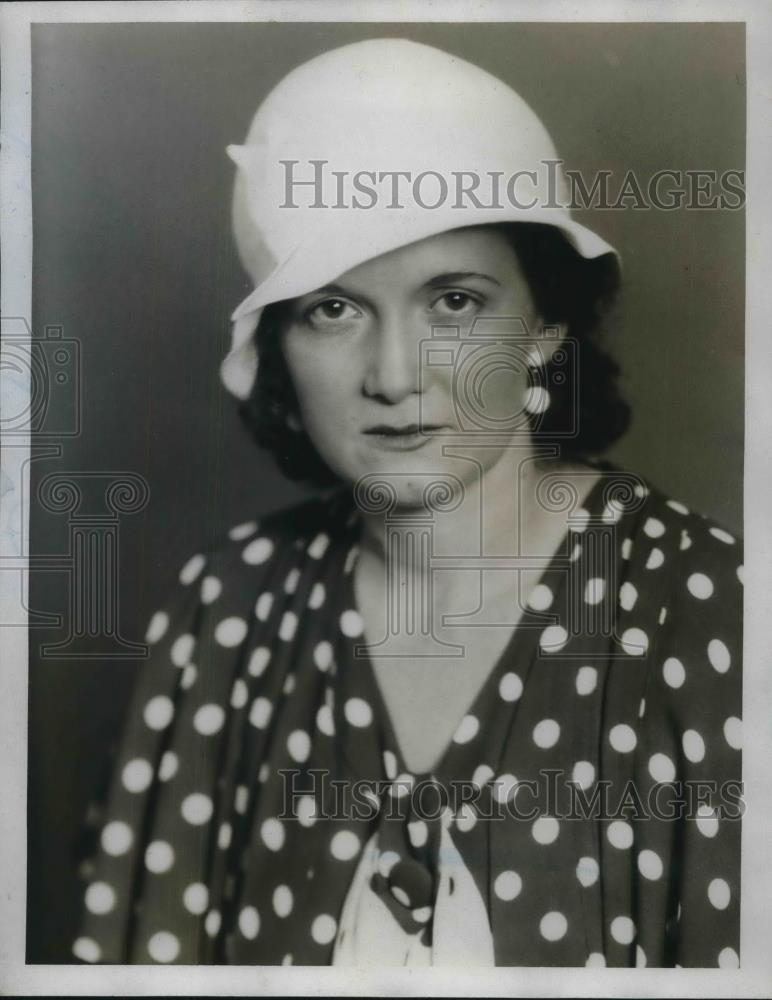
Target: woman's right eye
{"x":331,"y":311}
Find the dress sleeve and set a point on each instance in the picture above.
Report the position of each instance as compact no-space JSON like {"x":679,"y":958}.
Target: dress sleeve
{"x":112,"y":837}
{"x":697,"y":683}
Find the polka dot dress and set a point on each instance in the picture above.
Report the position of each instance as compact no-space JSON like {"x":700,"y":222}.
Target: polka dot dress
{"x":591,"y":790}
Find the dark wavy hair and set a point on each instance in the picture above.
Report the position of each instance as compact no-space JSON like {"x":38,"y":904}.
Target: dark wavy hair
{"x":566,"y":288}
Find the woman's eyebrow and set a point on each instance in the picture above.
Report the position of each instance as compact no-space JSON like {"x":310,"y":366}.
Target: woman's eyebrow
{"x":453,"y":277}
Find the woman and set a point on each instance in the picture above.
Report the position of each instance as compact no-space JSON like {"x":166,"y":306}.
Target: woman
{"x":479,"y":703}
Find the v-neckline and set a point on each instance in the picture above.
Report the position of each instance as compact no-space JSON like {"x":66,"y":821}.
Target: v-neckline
{"x":517,"y":638}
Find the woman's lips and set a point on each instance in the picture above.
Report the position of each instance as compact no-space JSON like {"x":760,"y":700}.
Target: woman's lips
{"x":407,"y":437}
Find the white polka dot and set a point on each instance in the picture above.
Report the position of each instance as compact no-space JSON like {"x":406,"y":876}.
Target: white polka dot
{"x":553,"y":926}
{"x":719,"y":656}
{"x":594,"y":590}
{"x":707,"y":821}
{"x":209,"y":719}
{"x":642,"y":708}
{"x":182,"y":650}
{"x":100,"y":898}
{"x":728,"y":959}
{"x":545,"y":830}
{"x":656,"y":558}
{"x":163,"y":947}
{"x":595,"y":961}
{"x":694,"y":746}
{"x":299,"y":745}
{"x":504,"y":787}
{"x":159,"y":857}
{"x":263,"y":607}
{"x":587,"y":871}
{"x":686,"y":540}
{"x":635,"y":642}
{"x":583,"y":774}
{"x":231,"y":631}
{"x":719,"y":894}
{"x":318,"y":546}
{"x":620,"y":835}
{"x":239,"y":694}
{"x":86,"y":949}
{"x":289,"y":684}
{"x":242,"y":531}
{"x":324,"y":721}
{"x":323,"y":655}
{"x":400,"y":895}
{"x":345,"y":845}
{"x":305,"y":810}
{"x":272,"y":833}
{"x":351,"y":624}
{"x":401,"y":785}
{"x":467,"y":729}
{"x":553,"y":639}
{"x":192,"y":569}
{"x":291,"y":582}
{"x":662,"y":615}
{"x":418,"y":832}
{"x":195,"y":898}
{"x":622,"y":738}
{"x":700,"y":586}
{"x":586,"y":680}
{"x":622,"y":930}
{"x":224,"y":836}
{"x":541,"y":597}
{"x":627,"y":548}
{"x":650,"y":865}
{"x":169,"y":766}
{"x":116,"y":838}
{"x":654,"y":528}
{"x":249,"y":922}
{"x":640,"y":957}
{"x":677,"y":507}
{"x":358,"y":712}
{"x":137,"y":775}
{"x":323,"y":929}
{"x":733,"y":732}
{"x":576,"y":551}
{"x":211,"y":588}
{"x":257,"y":551}
{"x":288,"y":627}
{"x":196,"y":809}
{"x":390,"y":764}
{"x":258,"y":661}
{"x":260,"y":713}
{"x":316,"y":598}
{"x":628,"y":595}
{"x":351,"y":558}
{"x":546,"y":733}
{"x":156,"y":630}
{"x":482,"y":775}
{"x":212,"y":923}
{"x":466,"y":819}
{"x":422,"y":914}
{"x":241,"y":799}
{"x":188,"y":679}
{"x":741,"y":574}
{"x":159,"y":712}
{"x":510,"y":687}
{"x":282,"y":901}
{"x":673,"y":672}
{"x":579,"y":519}
{"x":661,"y":768}
{"x":537,"y":399}
{"x":722,"y":536}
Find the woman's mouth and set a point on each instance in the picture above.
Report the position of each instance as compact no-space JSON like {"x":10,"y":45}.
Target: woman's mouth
{"x":404,"y":437}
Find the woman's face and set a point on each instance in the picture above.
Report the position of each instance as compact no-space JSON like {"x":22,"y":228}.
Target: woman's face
{"x":377,"y":395}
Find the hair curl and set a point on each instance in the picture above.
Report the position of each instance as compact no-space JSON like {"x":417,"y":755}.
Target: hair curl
{"x":566,"y":288}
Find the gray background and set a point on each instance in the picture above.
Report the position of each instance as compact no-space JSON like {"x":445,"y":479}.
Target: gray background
{"x":132,"y":256}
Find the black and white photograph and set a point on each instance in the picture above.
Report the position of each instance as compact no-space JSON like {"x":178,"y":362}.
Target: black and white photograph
{"x":385,"y":450}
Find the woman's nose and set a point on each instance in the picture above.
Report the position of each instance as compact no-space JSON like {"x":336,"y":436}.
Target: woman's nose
{"x":393,"y":371}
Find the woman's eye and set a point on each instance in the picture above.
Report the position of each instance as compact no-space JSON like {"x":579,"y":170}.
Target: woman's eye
{"x":331,"y":311}
{"x":457,"y":302}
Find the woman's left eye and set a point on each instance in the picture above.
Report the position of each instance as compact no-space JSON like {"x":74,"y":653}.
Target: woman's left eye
{"x":457,"y":302}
